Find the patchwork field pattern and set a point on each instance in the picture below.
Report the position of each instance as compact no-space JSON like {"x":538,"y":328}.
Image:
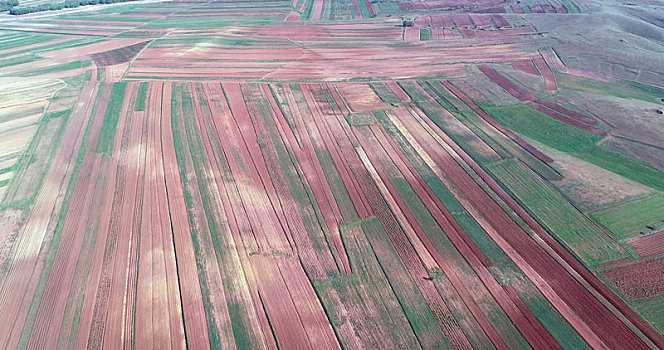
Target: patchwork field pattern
{"x":320,"y":174}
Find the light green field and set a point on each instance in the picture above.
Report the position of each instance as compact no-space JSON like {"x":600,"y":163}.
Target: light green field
{"x":633,"y":218}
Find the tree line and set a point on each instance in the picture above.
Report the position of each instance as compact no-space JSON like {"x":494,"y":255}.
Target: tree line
{"x":6,"y":5}
{"x":67,"y":4}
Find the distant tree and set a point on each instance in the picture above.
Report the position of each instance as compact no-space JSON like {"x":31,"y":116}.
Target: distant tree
{"x":52,"y":7}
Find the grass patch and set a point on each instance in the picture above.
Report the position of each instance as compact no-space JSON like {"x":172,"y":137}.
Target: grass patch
{"x":19,"y":60}
{"x":637,"y":217}
{"x":586,"y":239}
{"x":56,"y":68}
{"x":140,"y":99}
{"x":581,"y":144}
{"x":652,"y":309}
{"x":110,"y":124}
{"x":29,"y":39}
{"x":208,"y":22}
{"x":622,"y":89}
{"x":425,"y":34}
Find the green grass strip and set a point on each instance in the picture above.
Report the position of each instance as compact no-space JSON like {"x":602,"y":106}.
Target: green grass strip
{"x":586,"y":239}
{"x":140,"y":99}
{"x":641,"y":216}
{"x":110,"y":124}
{"x":581,"y":144}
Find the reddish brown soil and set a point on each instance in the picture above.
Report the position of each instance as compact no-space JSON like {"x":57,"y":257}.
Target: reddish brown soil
{"x":648,"y":246}
{"x":521,"y":142}
{"x":116,"y":56}
{"x":639,"y":280}
{"x":526,"y":66}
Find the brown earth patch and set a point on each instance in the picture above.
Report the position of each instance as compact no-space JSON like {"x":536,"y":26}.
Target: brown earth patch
{"x":117,"y":56}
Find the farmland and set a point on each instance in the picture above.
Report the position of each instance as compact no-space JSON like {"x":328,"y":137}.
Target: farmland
{"x":327,"y":174}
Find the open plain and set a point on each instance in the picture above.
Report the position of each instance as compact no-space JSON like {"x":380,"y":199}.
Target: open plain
{"x":325,"y":174}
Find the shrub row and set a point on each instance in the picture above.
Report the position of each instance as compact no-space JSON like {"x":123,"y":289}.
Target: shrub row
{"x":68,"y":4}
{"x":6,"y":5}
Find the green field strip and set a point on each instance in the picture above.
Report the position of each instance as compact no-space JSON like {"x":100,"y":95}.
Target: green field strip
{"x":36,"y":159}
{"x":207,"y":22}
{"x":197,"y":206}
{"x":55,"y":68}
{"x":80,"y":17}
{"x":244,"y":334}
{"x":221,"y":40}
{"x":586,"y":239}
{"x":383,"y":321}
{"x":140,"y":98}
{"x":308,"y":10}
{"x":101,"y":73}
{"x":192,"y":196}
{"x":556,"y":134}
{"x":19,"y":60}
{"x":652,"y":310}
{"x":446,"y":248}
{"x":423,"y":324}
{"x":504,"y":268}
{"x":633,"y":218}
{"x":389,"y":8}
{"x":364,"y":9}
{"x":425,"y":33}
{"x":435,"y":113}
{"x":110,"y":124}
{"x":622,"y":89}
{"x":53,"y":243}
{"x":29,"y":39}
{"x":384,"y":93}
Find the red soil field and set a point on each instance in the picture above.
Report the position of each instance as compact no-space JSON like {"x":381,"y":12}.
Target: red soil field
{"x":500,"y":21}
{"x":462,"y":20}
{"x":307,"y":175}
{"x":121,"y":55}
{"x":648,"y":246}
{"x":527,"y":66}
{"x":411,"y":34}
{"x":521,"y":142}
{"x":292,"y":17}
{"x":594,"y":330}
{"x":551,"y":109}
{"x":481,"y":20}
{"x":398,"y":91}
{"x":549,"y":79}
{"x":16,"y":285}
{"x":639,"y":280}
{"x":360,"y":97}
{"x":437,"y":33}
